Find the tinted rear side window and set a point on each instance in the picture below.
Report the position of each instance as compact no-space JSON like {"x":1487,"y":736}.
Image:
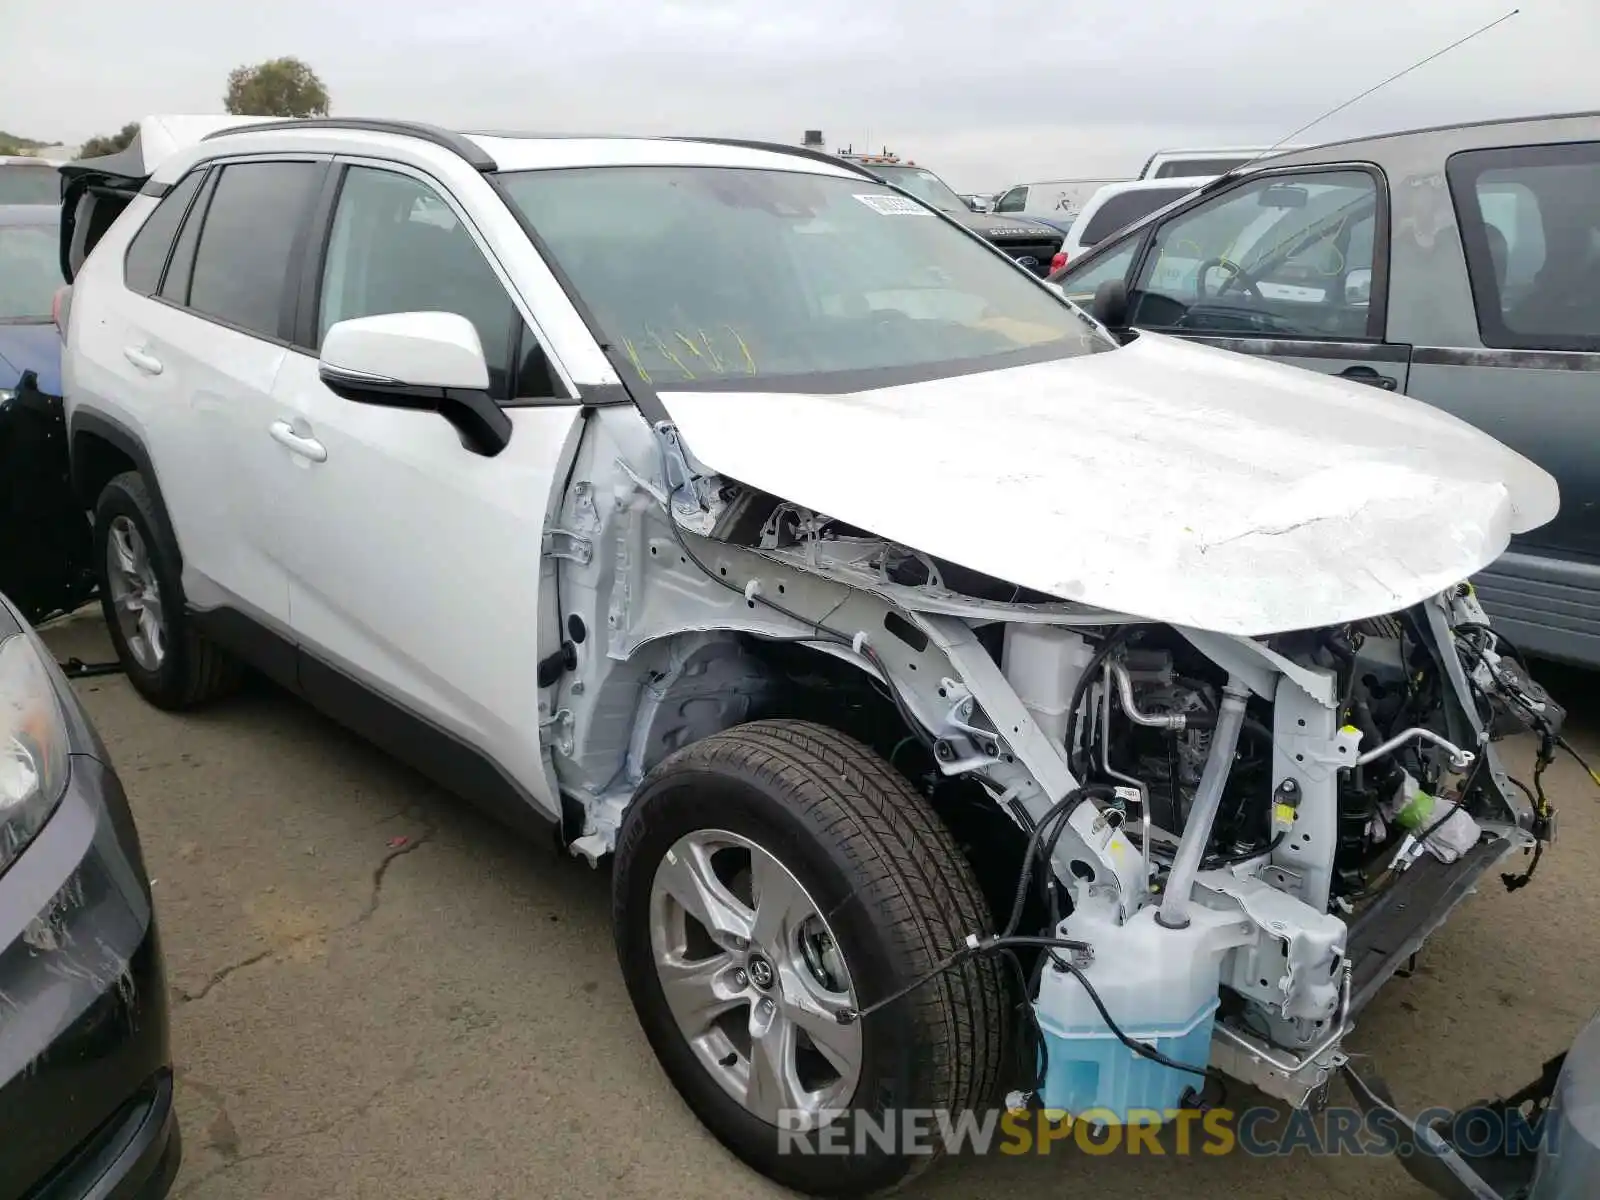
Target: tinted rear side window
{"x":241,"y":266}
{"x":1124,"y":209}
{"x":1197,"y":166}
{"x":147,"y":253}
{"x":1530,"y":225}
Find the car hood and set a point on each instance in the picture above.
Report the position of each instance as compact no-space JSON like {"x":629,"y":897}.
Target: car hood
{"x":34,"y":348}
{"x":1165,"y":480}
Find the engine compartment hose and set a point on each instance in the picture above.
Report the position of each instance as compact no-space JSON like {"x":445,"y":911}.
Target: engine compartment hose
{"x":1174,"y":912}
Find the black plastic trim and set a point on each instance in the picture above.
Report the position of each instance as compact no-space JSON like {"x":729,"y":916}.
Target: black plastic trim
{"x":1331,"y":348}
{"x":413,"y":739}
{"x":158,"y":190}
{"x":422,"y":745}
{"x":269,"y":652}
{"x":125,"y":440}
{"x":640,"y":393}
{"x":457,"y":144}
{"x":1515,"y":360}
{"x":795,"y":151}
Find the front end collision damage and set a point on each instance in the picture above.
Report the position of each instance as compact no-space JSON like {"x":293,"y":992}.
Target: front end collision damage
{"x":671,"y":622}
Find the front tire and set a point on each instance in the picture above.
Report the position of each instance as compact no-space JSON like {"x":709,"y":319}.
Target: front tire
{"x":767,"y":877}
{"x":141,"y":596}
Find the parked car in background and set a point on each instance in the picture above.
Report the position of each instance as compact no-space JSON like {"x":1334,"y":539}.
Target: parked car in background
{"x":86,"y":1105}
{"x":45,"y":564}
{"x":1171,"y":164}
{"x":731,"y":513}
{"x":1116,"y":206}
{"x":1459,"y":265}
{"x":978,"y":202}
{"x":1031,"y":243}
{"x":25,"y":180}
{"x":1056,"y":202}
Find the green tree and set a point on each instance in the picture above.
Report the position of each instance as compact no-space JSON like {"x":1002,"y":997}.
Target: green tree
{"x":279,"y":87}
{"x":95,"y":147}
{"x":15,"y":143}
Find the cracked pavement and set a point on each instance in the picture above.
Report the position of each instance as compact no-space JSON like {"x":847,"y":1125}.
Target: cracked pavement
{"x":378,"y":993}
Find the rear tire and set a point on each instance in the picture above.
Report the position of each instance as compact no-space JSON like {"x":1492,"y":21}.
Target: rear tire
{"x":859,"y":865}
{"x":141,"y":594}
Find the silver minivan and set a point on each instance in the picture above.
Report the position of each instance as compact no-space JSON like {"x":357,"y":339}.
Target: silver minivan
{"x":1460,"y":265}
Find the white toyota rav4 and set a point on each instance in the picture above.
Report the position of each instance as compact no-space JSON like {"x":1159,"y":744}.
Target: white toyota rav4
{"x":978,"y":709}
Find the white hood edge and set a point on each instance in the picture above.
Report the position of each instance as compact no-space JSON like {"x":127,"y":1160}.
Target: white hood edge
{"x":1172,"y":481}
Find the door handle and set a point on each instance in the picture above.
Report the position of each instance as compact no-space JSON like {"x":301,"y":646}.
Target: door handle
{"x":1369,"y":376}
{"x":143,"y":360}
{"x":283,"y":433}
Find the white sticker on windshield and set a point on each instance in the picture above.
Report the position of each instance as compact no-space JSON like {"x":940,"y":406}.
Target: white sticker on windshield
{"x":893,"y":206}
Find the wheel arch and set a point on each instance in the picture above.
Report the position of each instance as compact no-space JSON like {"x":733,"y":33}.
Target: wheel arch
{"x":99,"y":449}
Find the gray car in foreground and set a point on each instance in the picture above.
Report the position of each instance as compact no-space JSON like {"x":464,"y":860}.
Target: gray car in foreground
{"x":1458,"y":265}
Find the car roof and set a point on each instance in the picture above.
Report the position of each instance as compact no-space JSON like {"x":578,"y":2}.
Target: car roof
{"x":499,"y":151}
{"x":1189,"y":182}
{"x":30,"y":214}
{"x":1352,"y":148}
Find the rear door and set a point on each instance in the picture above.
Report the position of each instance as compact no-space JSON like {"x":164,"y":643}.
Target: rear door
{"x":1524,"y":366}
{"x":202,"y":351}
{"x":1288,"y":265}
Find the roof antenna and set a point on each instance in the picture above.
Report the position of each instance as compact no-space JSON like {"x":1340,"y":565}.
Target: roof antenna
{"x":1385,"y":83}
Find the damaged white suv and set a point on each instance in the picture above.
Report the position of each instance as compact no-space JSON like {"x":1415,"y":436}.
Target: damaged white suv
{"x":978,"y":709}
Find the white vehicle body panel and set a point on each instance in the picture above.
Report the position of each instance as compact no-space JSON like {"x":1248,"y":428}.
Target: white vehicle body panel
{"x":1073,"y":245}
{"x":1260,"y":499}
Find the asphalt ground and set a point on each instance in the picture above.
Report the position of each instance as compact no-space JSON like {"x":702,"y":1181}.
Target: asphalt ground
{"x":379,"y":993}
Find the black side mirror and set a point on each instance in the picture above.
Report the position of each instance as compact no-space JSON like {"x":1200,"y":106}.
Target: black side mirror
{"x":483,"y":425}
{"x":1110,"y":304}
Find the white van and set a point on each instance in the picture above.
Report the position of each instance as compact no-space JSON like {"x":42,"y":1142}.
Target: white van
{"x":1171,"y":164}
{"x":1055,"y":201}
{"x":1118,"y":205}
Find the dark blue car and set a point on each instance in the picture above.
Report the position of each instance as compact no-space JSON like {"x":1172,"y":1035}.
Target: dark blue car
{"x":44,"y":534}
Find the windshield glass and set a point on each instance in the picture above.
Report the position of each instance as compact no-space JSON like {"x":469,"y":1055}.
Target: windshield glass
{"x":924,"y":185}
{"x":20,"y":184}
{"x":30,"y":272}
{"x":706,"y":275}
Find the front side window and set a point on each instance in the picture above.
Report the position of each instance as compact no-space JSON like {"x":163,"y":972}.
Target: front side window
{"x":700,"y":275}
{"x":1079,"y":286}
{"x":397,"y":246}
{"x":30,"y":272}
{"x":241,"y":264}
{"x":1013,"y":201}
{"x":1285,"y":256}
{"x":147,"y":253}
{"x":1530,"y":224}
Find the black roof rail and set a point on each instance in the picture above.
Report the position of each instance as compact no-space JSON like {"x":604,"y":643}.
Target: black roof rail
{"x":474,"y":154}
{"x":783,"y":148}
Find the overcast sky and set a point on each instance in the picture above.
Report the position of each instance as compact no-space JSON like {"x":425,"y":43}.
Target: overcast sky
{"x":986,"y":93}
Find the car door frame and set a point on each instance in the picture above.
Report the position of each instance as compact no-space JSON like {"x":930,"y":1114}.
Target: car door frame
{"x":1373,"y":348}
{"x":389,"y":720}
{"x":231,"y":619}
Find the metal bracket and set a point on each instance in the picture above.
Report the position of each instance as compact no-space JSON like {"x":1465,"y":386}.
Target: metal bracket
{"x":564,"y":543}
{"x":555,"y":732}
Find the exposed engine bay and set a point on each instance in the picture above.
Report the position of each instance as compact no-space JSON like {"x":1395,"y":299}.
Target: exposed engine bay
{"x":1231,"y":843}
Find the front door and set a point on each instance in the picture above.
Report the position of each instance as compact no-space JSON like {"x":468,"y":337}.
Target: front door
{"x":1288,"y":265}
{"x":415,"y":564}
